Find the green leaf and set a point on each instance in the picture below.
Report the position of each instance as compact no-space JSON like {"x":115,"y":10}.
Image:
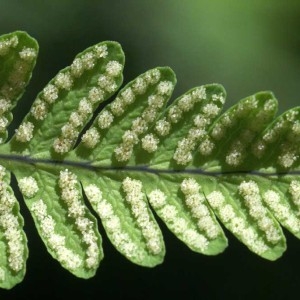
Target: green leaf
{"x":13,"y":241}
{"x":121,"y":203}
{"x":140,"y":157}
{"x":18,"y":53}
{"x":186,"y":212}
{"x":64,"y":223}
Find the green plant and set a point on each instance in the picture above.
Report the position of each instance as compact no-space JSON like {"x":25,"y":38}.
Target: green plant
{"x":193,"y":165}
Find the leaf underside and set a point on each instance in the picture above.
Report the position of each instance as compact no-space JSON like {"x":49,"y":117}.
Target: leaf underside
{"x":139,"y":157}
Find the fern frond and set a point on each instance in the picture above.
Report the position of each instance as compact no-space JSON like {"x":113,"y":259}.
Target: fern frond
{"x":194,"y":166}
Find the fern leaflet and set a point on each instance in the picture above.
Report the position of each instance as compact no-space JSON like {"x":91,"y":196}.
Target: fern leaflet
{"x":192,"y":165}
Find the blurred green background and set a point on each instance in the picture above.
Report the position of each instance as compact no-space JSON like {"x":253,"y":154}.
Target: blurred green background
{"x":247,"y":46}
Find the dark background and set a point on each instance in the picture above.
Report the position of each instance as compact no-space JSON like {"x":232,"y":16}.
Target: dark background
{"x":247,"y":46}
